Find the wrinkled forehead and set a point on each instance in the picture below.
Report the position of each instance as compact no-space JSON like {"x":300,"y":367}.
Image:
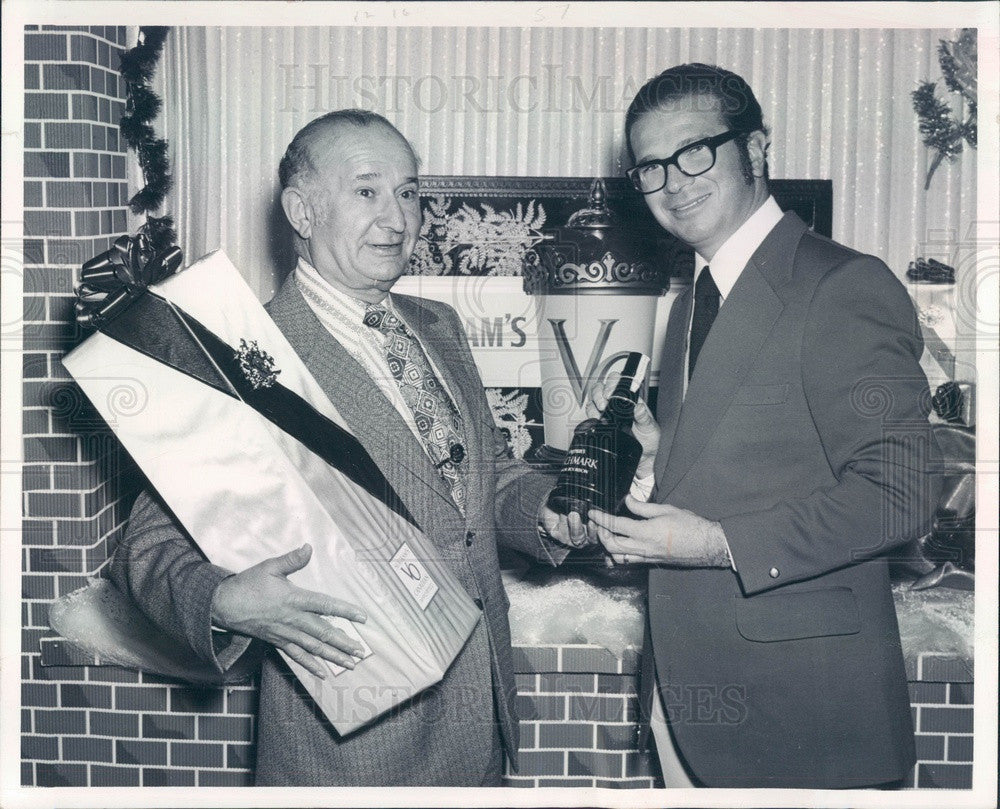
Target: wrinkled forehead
{"x":342,"y":147}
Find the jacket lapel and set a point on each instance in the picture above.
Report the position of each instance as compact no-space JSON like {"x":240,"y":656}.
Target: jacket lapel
{"x":671,"y":390}
{"x":368,"y":413}
{"x":740,"y":329}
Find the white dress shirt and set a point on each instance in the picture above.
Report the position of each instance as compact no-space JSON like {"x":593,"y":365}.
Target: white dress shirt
{"x":342,"y":316}
{"x":727,"y":264}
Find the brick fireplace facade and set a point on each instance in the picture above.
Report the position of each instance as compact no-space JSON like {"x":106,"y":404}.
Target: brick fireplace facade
{"x":76,"y":485}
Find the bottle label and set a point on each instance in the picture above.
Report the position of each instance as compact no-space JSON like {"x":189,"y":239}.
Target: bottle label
{"x":576,"y":461}
{"x":597,"y":471}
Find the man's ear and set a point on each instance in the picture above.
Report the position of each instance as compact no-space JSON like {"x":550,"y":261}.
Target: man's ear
{"x":757,"y":147}
{"x":298,"y":211}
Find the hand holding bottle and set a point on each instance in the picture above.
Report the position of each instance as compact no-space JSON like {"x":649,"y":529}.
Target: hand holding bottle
{"x":603,"y":456}
{"x":566,"y":529}
{"x":661,"y":534}
{"x":644,"y":427}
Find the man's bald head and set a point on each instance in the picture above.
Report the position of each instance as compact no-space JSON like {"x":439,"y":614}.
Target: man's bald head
{"x":298,"y":163}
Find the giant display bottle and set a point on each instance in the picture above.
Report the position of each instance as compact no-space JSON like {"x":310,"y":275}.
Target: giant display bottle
{"x":599,"y":286}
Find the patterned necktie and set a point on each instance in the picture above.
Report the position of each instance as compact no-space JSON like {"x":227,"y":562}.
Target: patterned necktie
{"x":438,"y":421}
{"x":706,"y":307}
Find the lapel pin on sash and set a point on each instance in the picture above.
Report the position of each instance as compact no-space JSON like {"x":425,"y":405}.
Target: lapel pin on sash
{"x":114,"y":297}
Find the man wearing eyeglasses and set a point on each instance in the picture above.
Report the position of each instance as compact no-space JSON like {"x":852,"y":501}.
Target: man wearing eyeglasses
{"x":792,"y":455}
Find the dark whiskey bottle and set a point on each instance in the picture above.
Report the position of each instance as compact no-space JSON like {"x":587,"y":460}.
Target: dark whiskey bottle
{"x":603,"y":455}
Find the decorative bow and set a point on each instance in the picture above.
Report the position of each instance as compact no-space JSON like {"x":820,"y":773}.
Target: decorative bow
{"x":930,"y":271}
{"x":112,"y":281}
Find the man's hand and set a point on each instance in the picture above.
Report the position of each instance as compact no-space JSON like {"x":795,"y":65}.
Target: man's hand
{"x":644,"y":428}
{"x":262,"y":603}
{"x":664,"y":535}
{"x":566,"y":529}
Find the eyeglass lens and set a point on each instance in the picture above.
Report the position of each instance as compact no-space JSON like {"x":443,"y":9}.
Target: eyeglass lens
{"x":696,"y":160}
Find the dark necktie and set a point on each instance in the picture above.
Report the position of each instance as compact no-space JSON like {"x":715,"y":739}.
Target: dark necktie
{"x":436,"y":417}
{"x":706,"y":307}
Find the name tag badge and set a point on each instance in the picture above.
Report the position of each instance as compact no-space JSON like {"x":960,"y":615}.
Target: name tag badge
{"x":413,"y":575}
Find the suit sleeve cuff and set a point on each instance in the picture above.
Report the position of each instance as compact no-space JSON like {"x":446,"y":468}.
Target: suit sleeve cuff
{"x":554,"y":552}
{"x":220,"y":647}
{"x":752,"y":557}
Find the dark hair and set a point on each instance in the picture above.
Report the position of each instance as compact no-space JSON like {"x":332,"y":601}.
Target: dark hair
{"x":298,"y":159}
{"x":737,"y":103}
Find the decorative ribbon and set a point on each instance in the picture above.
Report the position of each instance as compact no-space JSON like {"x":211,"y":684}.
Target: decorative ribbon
{"x":162,"y":331}
{"x":294,"y":415}
{"x":112,"y":298}
{"x":114,"y":280}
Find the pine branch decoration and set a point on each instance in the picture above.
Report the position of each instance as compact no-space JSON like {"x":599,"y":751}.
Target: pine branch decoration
{"x":142,"y":105}
{"x":942,"y":131}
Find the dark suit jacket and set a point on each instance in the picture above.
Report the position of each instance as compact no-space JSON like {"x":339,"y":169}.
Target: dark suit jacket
{"x":448,"y":734}
{"x":804,"y":432}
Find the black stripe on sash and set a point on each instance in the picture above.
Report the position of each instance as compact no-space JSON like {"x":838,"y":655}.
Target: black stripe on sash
{"x":156,"y":328}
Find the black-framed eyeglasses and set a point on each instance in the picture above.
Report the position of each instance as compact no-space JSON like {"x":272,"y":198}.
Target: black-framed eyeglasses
{"x":694,"y":159}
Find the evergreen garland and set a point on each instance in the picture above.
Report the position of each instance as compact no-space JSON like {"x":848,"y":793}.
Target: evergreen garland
{"x":142,"y":105}
{"x":941,"y":130}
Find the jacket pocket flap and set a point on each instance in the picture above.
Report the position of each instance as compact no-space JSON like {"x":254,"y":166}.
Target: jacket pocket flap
{"x":761,"y":394}
{"x":801,"y":614}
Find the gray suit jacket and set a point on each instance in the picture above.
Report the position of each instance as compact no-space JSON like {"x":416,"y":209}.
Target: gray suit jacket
{"x":804,"y":432}
{"x":451,"y":733}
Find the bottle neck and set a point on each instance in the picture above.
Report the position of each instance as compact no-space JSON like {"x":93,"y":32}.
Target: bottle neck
{"x":620,"y":410}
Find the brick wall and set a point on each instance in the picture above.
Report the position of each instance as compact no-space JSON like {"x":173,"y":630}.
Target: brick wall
{"x":941,"y":701}
{"x":119,"y":727}
{"x":75,"y":481}
{"x":578,"y":707}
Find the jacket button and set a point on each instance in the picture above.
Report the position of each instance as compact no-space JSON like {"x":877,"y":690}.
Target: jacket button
{"x":469,"y":536}
{"x":774,"y":573}
{"x":478,"y":602}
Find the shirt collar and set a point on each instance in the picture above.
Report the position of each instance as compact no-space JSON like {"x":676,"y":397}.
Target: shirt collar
{"x":735,"y":253}
{"x":352,"y":308}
